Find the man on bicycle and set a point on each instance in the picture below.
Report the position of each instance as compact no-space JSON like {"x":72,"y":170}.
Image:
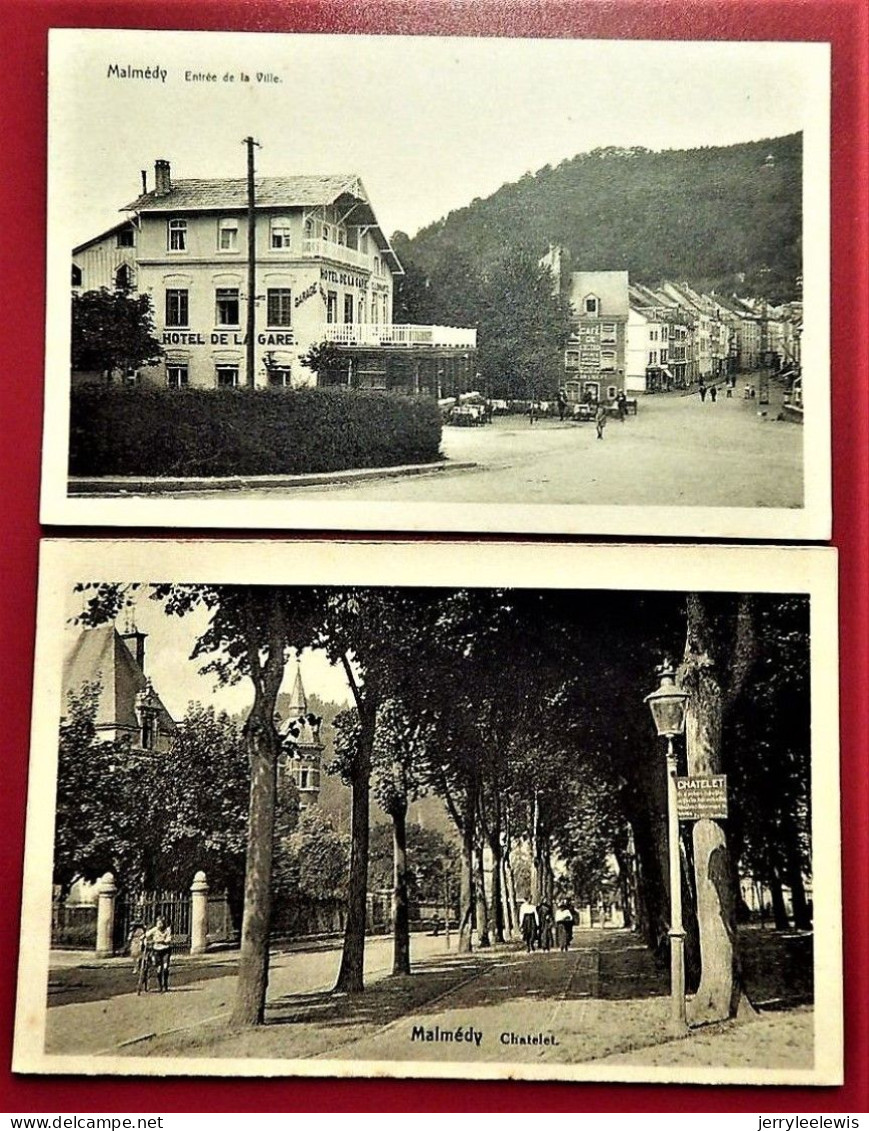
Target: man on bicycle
{"x":159,"y":941}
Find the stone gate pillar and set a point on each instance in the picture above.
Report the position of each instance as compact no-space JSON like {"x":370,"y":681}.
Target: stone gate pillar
{"x":198,"y":914}
{"x":106,"y":893}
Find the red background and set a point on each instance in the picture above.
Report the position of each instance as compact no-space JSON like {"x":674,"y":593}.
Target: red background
{"x":23,"y":32}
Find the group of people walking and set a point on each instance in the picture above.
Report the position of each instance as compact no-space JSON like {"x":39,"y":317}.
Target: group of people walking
{"x":542,"y":928}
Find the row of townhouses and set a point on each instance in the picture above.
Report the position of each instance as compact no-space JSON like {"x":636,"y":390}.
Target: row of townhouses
{"x":638,"y":339}
{"x":324,"y":271}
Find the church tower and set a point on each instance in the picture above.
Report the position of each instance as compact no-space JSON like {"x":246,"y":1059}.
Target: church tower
{"x":301,"y":748}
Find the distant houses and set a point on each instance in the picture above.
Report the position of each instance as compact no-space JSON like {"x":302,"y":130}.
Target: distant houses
{"x":632,"y":338}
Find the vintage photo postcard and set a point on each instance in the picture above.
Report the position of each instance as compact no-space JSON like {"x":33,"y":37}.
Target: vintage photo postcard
{"x":422,"y":283}
{"x":434,"y":810}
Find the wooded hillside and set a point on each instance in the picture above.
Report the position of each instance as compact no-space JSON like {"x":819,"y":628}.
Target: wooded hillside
{"x":720,"y":217}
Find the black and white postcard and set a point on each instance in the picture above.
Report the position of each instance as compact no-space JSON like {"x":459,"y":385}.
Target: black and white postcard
{"x":415,"y":283}
{"x":439,"y":810}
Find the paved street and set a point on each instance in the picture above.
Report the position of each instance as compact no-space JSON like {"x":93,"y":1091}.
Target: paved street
{"x":606,"y":999}
{"x":677,"y":451}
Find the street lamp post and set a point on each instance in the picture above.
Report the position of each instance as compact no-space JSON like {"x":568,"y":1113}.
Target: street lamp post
{"x":668,"y":704}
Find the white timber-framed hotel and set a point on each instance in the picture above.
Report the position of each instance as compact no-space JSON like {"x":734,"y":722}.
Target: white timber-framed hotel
{"x":324,"y":271}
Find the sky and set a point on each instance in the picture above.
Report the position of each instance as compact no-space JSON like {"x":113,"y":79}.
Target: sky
{"x":177,"y":679}
{"x":428,"y":123}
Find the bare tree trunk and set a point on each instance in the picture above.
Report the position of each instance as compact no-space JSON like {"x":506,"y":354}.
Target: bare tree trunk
{"x":510,"y":902}
{"x":779,"y":911}
{"x":802,"y":918}
{"x":536,"y":877}
{"x":466,"y":901}
{"x":253,"y":965}
{"x":350,"y":975}
{"x":719,"y":992}
{"x":400,"y":910}
{"x":483,"y":939}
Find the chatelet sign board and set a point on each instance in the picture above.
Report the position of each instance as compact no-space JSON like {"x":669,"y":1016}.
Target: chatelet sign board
{"x":699,"y":796}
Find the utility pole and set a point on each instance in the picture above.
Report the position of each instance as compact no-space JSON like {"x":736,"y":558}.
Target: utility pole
{"x":250,"y":335}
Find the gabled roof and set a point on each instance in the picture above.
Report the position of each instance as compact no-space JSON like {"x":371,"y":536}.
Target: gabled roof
{"x":99,"y":655}
{"x":302,"y":729}
{"x":124,"y":224}
{"x":229,"y":194}
{"x":609,"y":287}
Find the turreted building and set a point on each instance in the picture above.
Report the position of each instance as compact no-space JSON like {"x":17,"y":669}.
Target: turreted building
{"x":301,"y":747}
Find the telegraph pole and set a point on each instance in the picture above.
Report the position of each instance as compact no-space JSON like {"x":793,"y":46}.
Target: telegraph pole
{"x":250,"y":336}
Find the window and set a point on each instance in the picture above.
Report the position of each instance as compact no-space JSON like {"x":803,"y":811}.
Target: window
{"x":126,"y":238}
{"x":76,"y":276}
{"x":149,"y":730}
{"x":326,"y":232}
{"x":571,"y":359}
{"x":123,"y":278}
{"x":279,"y":306}
{"x":177,"y":235}
{"x":591,"y":305}
{"x":131,"y":377}
{"x":607,"y":359}
{"x":304,"y":779}
{"x":227,"y":376}
{"x":385,"y":309}
{"x":280,"y":232}
{"x":176,"y":308}
{"x":331,"y":307}
{"x":611,"y":392}
{"x":176,"y":376}
{"x":348,"y":308}
{"x":227,"y":308}
{"x":227,"y":235}
{"x":279,"y":376}
{"x":653,"y":357}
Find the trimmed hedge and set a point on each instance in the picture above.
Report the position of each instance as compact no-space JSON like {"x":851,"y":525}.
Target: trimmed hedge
{"x":117,"y":430}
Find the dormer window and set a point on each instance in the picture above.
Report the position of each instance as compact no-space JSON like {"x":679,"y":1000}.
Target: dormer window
{"x":281,"y":232}
{"x":123,"y":278}
{"x":592,"y":304}
{"x":227,"y":235}
{"x":177,"y":235}
{"x":126,"y":238}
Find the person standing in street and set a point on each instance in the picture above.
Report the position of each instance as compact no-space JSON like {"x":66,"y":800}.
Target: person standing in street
{"x":713,"y":393}
{"x":600,"y":420}
{"x":702,"y":392}
{"x":545,"y":916}
{"x":622,"y":404}
{"x":562,"y":403}
{"x":563,"y":927}
{"x":159,"y":940}
{"x":529,"y":923}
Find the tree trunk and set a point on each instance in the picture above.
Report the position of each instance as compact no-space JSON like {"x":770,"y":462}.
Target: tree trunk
{"x":779,"y":911}
{"x":536,"y":877}
{"x":400,"y":911}
{"x":718,"y":994}
{"x":483,"y":939}
{"x":510,"y":902}
{"x":466,"y":900}
{"x":498,"y":924}
{"x":253,"y":965}
{"x":802,"y":918}
{"x":350,"y":975}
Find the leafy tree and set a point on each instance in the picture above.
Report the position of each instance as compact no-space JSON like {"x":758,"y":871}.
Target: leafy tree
{"x":99,"y":808}
{"x":312,"y":862}
{"x":113,"y":331}
{"x":326,"y":360}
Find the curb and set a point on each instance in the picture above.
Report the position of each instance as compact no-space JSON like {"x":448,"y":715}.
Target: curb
{"x":157,"y":485}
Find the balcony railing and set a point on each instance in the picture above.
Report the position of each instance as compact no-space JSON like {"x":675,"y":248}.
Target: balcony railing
{"x":389,"y":334}
{"x":325,"y":249}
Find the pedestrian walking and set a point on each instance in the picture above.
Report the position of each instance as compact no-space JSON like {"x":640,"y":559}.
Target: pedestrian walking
{"x":529,"y":923}
{"x":562,"y":402}
{"x":136,"y":942}
{"x":702,"y":392}
{"x":159,"y":940}
{"x":622,"y":404}
{"x":533,"y":411}
{"x":563,"y":927}
{"x":713,"y":393}
{"x":600,"y":420}
{"x":545,"y":928}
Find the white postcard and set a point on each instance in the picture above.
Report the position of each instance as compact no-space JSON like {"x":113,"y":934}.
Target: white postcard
{"x":440,"y":810}
{"x":438,"y":284}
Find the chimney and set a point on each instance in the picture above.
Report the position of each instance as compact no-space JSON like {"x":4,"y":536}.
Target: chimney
{"x":144,"y":181}
{"x":135,"y":642}
{"x":162,"y":178}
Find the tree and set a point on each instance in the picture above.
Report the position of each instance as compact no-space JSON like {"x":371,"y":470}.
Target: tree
{"x":99,"y":808}
{"x":113,"y":331}
{"x":326,"y":360}
{"x":250,"y":635}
